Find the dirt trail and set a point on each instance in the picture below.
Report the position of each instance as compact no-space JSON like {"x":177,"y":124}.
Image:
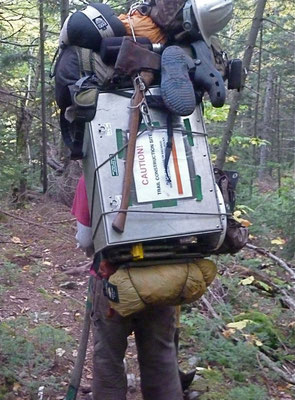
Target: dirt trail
{"x":37,"y":250}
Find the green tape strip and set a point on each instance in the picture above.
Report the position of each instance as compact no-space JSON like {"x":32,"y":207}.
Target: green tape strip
{"x":143,"y":126}
{"x":198,"y":188}
{"x":71,"y":393}
{"x":88,"y":304}
{"x":164,"y":203}
{"x":120,"y":143}
{"x":188,"y":128}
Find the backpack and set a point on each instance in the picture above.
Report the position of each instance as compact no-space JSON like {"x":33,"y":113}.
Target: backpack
{"x":236,"y":235}
{"x":79,"y":74}
{"x":87,"y":28}
{"x":164,"y":13}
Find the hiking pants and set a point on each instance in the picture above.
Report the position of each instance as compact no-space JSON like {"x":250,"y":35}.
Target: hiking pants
{"x":154,"y":335}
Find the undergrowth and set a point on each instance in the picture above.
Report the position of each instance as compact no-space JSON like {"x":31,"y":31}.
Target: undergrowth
{"x":29,"y":355}
{"x":227,"y":349}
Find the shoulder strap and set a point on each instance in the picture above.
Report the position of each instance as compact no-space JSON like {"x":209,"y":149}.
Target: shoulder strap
{"x":85,"y":61}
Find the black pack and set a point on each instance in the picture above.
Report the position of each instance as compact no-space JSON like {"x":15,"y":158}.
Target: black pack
{"x":236,"y":235}
{"x":79,"y":75}
{"x":87,"y":28}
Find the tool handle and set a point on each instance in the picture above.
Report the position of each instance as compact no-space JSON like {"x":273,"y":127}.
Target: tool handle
{"x":134,"y":119}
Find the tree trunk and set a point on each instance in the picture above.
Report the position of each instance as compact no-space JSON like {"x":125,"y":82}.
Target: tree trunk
{"x":64,"y":11}
{"x":278,"y":131}
{"x":23,"y":127}
{"x":266,"y":128}
{"x":43,"y":98}
{"x":237,"y":95}
{"x":256,"y":114}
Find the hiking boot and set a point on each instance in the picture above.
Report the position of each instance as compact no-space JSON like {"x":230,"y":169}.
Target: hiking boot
{"x":186,"y":379}
{"x":176,"y":87}
{"x":192,"y":395}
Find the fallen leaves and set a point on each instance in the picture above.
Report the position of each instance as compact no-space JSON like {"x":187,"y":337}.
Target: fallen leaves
{"x":232,"y":327}
{"x":247,"y":281}
{"x":237,"y":216}
{"x":232,"y":159}
{"x":16,"y":387}
{"x":16,"y":239}
{"x":278,"y":241}
{"x":60,"y":352}
{"x":240,"y":325}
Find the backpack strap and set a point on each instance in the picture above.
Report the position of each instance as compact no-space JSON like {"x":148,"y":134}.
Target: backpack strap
{"x":73,"y":141}
{"x":227,"y":181}
{"x":169,"y":145}
{"x":85,"y":61}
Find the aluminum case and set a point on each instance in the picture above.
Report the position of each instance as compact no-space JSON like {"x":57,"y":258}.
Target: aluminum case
{"x":193,"y":207}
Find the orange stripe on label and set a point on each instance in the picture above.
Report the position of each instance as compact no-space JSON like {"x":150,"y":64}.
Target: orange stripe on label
{"x":176,"y":167}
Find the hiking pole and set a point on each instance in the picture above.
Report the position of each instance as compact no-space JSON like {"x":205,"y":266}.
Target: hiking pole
{"x":79,"y":363}
{"x":140,"y":82}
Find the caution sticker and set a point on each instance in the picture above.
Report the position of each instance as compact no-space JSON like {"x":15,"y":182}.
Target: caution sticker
{"x":151,"y":181}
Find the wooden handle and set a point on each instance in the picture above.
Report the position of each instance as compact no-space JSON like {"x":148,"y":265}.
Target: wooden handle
{"x":119,"y":221}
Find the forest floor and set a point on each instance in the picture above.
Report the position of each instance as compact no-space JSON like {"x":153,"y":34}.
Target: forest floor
{"x":43,"y":288}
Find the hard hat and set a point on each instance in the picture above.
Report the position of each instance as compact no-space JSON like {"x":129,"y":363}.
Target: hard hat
{"x":211,"y":16}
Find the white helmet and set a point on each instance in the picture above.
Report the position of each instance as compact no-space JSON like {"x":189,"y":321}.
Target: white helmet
{"x":211,"y":16}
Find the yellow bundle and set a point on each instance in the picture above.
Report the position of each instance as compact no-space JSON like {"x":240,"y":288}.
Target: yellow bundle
{"x":172,"y":284}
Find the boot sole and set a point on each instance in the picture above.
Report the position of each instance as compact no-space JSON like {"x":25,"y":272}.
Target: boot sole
{"x":176,"y":87}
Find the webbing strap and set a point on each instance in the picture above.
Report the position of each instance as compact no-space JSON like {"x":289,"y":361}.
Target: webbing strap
{"x":187,"y":20}
{"x":85,"y":61}
{"x":169,"y":144}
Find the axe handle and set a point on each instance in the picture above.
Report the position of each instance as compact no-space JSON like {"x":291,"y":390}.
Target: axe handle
{"x":119,"y":221}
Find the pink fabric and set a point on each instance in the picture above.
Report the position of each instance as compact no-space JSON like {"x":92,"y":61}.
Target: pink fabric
{"x":80,"y":205}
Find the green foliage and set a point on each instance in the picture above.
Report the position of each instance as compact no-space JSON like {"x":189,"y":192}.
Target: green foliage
{"x":212,"y":114}
{"x":238,"y":141}
{"x":249,"y":392}
{"x":219,"y":391}
{"x":273,"y":214}
{"x":251,"y":262}
{"x":237,"y":357}
{"x":28,"y":352}
{"x":262,"y":326}
{"x":217,"y":350}
{"x":12,"y":168}
{"x":14,"y":59}
{"x":9,"y":273}
{"x":2,"y":293}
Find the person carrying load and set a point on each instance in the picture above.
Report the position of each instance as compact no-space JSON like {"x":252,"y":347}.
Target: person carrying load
{"x":168,"y":44}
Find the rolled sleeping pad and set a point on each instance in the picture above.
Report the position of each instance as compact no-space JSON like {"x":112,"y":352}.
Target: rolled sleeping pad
{"x":88,"y":27}
{"x":110,"y":47}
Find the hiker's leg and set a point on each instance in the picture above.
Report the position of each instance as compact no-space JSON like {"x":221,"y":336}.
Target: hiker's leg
{"x":154,"y":332}
{"x":110,"y":342}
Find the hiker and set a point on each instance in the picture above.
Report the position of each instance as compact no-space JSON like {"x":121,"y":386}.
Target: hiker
{"x":181,"y":88}
{"x":154,"y":331}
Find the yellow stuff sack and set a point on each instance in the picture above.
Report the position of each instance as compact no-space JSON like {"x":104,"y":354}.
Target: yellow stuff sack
{"x":172,"y":284}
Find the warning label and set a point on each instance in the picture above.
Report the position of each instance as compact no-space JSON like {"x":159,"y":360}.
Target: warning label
{"x":152,"y":182}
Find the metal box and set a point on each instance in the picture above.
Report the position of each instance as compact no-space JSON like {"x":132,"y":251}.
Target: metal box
{"x":159,"y":211}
